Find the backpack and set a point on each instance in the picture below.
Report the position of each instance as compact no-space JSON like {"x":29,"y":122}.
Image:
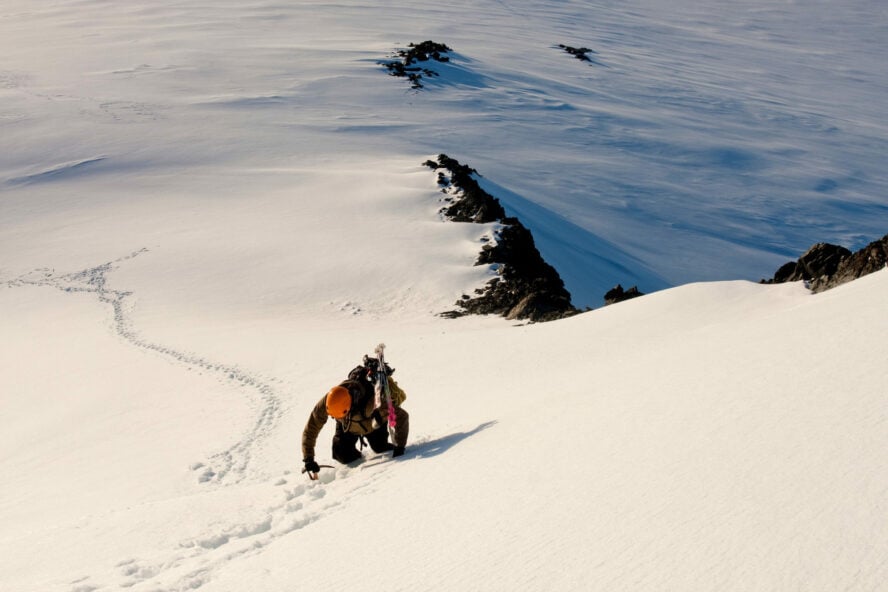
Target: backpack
{"x":366,"y":372}
{"x":398,"y":394}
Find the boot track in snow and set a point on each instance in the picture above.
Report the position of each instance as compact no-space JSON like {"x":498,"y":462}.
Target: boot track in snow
{"x":228,"y":466}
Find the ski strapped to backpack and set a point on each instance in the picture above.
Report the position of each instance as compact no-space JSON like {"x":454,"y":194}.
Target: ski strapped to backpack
{"x":383,"y":391}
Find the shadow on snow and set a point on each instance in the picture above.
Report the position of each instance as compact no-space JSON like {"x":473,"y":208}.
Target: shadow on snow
{"x":444,"y":443}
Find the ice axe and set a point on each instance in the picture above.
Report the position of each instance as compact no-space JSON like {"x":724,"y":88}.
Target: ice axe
{"x":314,"y":476}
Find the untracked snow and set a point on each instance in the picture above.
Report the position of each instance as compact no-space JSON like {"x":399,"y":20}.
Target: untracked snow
{"x":210,"y":212}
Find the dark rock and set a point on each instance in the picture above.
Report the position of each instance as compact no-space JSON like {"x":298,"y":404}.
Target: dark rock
{"x":826,"y":266}
{"x":474,"y":204}
{"x":821,"y":259}
{"x":786,"y":271}
{"x":578,"y":52}
{"x":527,"y":288}
{"x":617,"y":294}
{"x":417,"y":52}
{"x":581,"y":53}
{"x":872,"y":257}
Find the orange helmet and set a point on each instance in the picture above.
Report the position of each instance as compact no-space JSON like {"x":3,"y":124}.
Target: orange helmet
{"x":338,"y":402}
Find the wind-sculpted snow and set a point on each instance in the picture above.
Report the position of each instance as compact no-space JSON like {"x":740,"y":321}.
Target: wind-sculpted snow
{"x":229,"y":465}
{"x":67,"y":169}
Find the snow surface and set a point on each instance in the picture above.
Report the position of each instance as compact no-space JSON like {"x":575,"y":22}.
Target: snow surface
{"x":210,"y":212}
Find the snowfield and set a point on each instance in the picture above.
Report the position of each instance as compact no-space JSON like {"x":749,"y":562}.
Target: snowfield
{"x":209,"y":214}
{"x":721,"y":435}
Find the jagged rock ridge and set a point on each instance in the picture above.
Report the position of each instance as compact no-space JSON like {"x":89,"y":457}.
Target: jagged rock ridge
{"x":826,"y":266}
{"x":527,"y":288}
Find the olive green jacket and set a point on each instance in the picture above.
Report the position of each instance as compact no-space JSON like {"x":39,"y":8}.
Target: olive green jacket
{"x":360,"y":421}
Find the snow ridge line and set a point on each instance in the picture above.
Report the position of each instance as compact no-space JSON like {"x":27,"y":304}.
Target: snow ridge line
{"x":228,"y":465}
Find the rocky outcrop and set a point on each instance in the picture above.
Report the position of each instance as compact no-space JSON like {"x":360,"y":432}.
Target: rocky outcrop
{"x":821,"y":259}
{"x":468,"y":202}
{"x":872,"y":257}
{"x":407,"y":66}
{"x":618,"y":294}
{"x":527,"y":288}
{"x":826,"y":266}
{"x":581,"y":53}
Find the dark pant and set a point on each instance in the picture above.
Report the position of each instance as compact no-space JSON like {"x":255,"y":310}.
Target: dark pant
{"x":345,"y":444}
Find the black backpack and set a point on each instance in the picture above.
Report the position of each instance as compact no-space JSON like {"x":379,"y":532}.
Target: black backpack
{"x":366,"y":373}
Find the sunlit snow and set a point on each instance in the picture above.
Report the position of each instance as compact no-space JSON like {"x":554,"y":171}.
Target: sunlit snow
{"x":210,"y":211}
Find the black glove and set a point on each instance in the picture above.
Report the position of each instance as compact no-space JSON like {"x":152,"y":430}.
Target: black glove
{"x":311,"y":466}
{"x":398,"y":451}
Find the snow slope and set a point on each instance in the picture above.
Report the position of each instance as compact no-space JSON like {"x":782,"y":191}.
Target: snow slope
{"x":725,"y":435}
{"x":209,"y":213}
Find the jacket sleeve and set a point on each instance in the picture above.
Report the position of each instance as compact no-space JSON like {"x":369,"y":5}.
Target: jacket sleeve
{"x":313,"y":426}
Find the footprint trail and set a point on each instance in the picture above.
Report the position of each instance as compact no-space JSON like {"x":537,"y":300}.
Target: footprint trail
{"x":231,"y":465}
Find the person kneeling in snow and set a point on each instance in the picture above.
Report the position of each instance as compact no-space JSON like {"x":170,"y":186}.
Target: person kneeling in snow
{"x":353,"y":405}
